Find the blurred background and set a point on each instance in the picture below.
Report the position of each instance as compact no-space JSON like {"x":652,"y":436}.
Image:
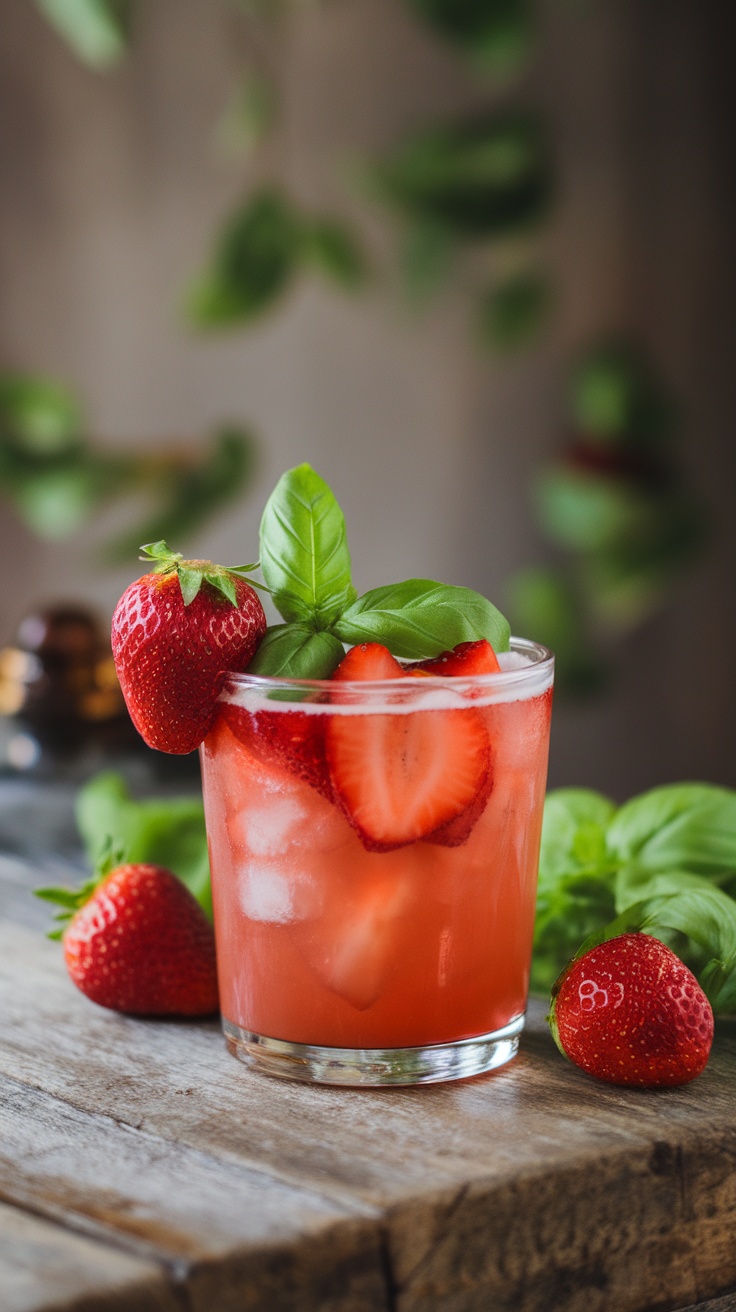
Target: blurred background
{"x":472,"y":259}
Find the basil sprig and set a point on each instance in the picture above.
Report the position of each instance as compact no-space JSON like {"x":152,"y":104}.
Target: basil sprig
{"x":664,"y":863}
{"x":305,"y":562}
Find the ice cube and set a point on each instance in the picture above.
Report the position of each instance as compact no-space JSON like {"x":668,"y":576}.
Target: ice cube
{"x":270,"y":829}
{"x":266,"y":893}
{"x":353,"y":946}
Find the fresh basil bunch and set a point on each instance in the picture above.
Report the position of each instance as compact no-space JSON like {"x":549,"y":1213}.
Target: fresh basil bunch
{"x":305,"y":563}
{"x":664,"y":862}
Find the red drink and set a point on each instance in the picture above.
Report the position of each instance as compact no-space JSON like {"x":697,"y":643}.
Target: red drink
{"x":351,"y":965}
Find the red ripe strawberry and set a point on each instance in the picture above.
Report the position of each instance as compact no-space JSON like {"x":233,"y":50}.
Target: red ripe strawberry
{"x":464,"y":661}
{"x":175,"y":634}
{"x":400,"y":776}
{"x":630,"y":1012}
{"x":293,"y":740}
{"x":139,"y":943}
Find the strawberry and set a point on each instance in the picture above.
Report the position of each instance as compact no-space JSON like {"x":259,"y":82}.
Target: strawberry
{"x":464,"y":661}
{"x":175,"y":634}
{"x":630,"y":1012}
{"x":293,"y":740}
{"x":455,"y":832}
{"x":137,"y":941}
{"x":399,"y":776}
{"x":369,"y":661}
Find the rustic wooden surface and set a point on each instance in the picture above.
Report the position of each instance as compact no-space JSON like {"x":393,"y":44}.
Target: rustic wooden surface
{"x":141,"y":1167}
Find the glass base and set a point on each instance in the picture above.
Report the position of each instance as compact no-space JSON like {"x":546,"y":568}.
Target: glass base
{"x":374,"y":1066}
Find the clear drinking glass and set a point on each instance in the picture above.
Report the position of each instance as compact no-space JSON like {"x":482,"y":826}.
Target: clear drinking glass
{"x":343,"y":965}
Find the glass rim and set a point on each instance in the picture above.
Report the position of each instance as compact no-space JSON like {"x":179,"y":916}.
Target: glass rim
{"x":542,"y":661}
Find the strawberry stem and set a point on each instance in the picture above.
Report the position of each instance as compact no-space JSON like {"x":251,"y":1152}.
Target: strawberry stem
{"x":193,"y":573}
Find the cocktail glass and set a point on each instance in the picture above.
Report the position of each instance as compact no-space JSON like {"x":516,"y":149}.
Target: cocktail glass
{"x":343,"y":965}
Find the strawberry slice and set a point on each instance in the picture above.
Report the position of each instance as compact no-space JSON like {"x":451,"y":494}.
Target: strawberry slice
{"x":368,"y":661}
{"x":291,"y":740}
{"x":464,"y":661}
{"x":457,"y":831}
{"x":399,"y":777}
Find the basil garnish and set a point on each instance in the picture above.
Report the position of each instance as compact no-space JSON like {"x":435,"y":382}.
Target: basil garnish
{"x":306,"y":565}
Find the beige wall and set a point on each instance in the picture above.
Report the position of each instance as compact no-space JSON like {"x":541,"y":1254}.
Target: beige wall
{"x":109,"y":192}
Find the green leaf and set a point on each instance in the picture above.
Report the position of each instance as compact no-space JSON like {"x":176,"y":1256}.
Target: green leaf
{"x":678,"y":827}
{"x":256,"y":255}
{"x":38,"y":415}
{"x":305,"y":559}
{"x":190,"y":581}
{"x":591,"y":511}
{"x":496,"y":33}
{"x":189,"y":490}
{"x":513,"y":313}
{"x":426,"y":258}
{"x":574,"y":833}
{"x":617,"y":399}
{"x":294,"y":651}
{"x":576,"y":879}
{"x":482,"y":178}
{"x":420,"y":618}
{"x":693,"y":908}
{"x":224,"y":583}
{"x":166,"y":831}
{"x":332,"y":249}
{"x":249,"y":116}
{"x":96,"y":30}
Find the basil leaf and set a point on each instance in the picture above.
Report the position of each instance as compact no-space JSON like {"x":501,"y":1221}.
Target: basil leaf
{"x":576,"y":879}
{"x":420,"y":618}
{"x":304,"y":550}
{"x":679,"y":826}
{"x":693,"y":907}
{"x":294,"y":651}
{"x":573,"y":832}
{"x":163,"y":831}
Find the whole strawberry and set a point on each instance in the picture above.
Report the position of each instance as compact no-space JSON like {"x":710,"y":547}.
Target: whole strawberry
{"x":139,"y":942}
{"x":630,"y":1012}
{"x":175,"y":634}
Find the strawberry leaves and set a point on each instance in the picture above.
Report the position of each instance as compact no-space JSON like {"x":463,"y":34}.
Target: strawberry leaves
{"x":305,"y":562}
{"x":193,"y":573}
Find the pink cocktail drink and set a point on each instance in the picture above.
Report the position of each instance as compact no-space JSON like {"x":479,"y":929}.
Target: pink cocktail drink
{"x":355,"y":962}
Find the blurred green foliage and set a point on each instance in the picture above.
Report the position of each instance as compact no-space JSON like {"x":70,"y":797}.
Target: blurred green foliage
{"x":96,"y":30}
{"x":57,"y":479}
{"x":482,"y":178}
{"x":167,"y":831}
{"x":514,"y":312}
{"x":259,"y":252}
{"x":617,"y":501}
{"x":497,"y":35}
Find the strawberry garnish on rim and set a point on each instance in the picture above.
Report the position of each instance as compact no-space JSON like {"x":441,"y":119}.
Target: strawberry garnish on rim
{"x":401,"y":776}
{"x":291,"y":740}
{"x":464,"y":661}
{"x":175,"y":634}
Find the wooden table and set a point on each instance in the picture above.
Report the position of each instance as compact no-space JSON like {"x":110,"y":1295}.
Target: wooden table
{"x":142,"y":1168}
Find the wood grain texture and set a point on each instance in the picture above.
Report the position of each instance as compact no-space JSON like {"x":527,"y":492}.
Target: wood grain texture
{"x":45,"y":1268}
{"x":725,"y":1304}
{"x":532,"y":1190}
